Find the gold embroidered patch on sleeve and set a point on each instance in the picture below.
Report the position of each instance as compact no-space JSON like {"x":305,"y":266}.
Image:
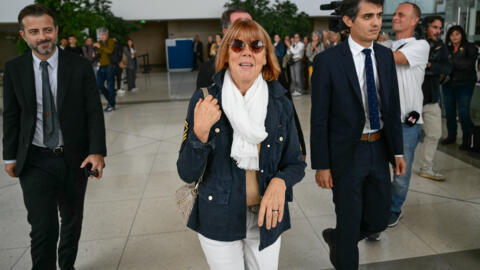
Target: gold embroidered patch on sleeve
{"x":185,"y":131}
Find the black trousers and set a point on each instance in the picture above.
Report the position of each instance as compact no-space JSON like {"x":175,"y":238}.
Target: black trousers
{"x":117,"y":73}
{"x":49,"y":186}
{"x":131,"y":77}
{"x":362,"y":200}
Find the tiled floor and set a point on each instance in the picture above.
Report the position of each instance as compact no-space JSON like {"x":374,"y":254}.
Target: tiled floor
{"x":131,"y":221}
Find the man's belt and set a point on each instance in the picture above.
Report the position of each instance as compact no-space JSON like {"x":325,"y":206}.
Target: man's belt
{"x":371,"y":137}
{"x":57,"y":151}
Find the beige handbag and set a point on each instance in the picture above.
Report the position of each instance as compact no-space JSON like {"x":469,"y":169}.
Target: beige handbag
{"x":187,"y":194}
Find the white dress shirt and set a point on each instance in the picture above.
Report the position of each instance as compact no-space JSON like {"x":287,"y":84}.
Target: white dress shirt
{"x":52,"y":75}
{"x":359,"y":60}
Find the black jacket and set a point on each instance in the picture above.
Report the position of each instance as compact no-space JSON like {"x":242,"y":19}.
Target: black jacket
{"x":220,"y":210}
{"x":464,"y":63}
{"x":440,"y":66}
{"x":338,"y":116}
{"x":205,"y":79}
{"x":79,"y":109}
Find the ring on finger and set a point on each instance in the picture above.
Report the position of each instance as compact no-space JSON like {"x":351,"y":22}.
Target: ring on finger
{"x":275,"y":211}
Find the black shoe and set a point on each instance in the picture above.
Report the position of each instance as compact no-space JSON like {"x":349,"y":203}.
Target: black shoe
{"x":374,"y":237}
{"x":448,"y":140}
{"x":327,"y":236}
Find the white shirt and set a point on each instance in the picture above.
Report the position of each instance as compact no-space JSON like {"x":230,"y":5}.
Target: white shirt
{"x":359,"y":60}
{"x":298,"y":50}
{"x":52,"y":76}
{"x":411,"y":76}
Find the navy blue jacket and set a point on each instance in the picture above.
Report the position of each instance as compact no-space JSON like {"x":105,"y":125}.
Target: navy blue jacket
{"x":220,"y":210}
{"x":338,"y":116}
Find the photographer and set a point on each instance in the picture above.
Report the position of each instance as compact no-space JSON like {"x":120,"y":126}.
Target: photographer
{"x":438,"y":65}
{"x":105,"y":48}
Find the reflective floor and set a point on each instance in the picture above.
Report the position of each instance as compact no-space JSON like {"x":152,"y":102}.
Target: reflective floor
{"x":131,"y":221}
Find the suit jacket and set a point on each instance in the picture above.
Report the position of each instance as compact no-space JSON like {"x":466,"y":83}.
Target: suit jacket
{"x":338,"y":116}
{"x":78,"y":105}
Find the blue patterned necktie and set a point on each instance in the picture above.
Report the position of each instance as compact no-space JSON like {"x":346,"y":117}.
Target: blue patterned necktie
{"x":373,"y":113}
{"x":50,"y":118}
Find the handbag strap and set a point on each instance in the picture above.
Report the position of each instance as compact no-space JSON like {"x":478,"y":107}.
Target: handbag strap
{"x":195,"y":190}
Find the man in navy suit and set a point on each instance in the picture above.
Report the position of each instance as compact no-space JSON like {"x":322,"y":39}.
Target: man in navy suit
{"x":356,"y":130}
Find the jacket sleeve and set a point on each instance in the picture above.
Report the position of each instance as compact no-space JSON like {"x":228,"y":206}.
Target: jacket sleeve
{"x":321,"y":91}
{"x":94,"y":113}
{"x":11,"y":117}
{"x":395,"y":109}
{"x":109,"y":48}
{"x":441,"y":65}
{"x":291,"y":167}
{"x":193,"y":153}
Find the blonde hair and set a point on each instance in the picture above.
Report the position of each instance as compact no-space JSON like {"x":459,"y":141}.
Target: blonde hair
{"x":249,"y":30}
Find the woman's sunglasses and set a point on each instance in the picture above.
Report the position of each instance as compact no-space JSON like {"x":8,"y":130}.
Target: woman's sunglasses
{"x":238,"y":45}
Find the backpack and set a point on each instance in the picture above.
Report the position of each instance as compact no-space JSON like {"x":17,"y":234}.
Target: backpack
{"x":116,"y":56}
{"x":473,"y":142}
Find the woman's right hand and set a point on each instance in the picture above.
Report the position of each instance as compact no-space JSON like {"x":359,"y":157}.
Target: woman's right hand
{"x":207,"y":112}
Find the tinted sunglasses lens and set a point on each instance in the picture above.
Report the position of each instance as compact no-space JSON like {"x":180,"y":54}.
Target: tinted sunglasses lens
{"x":237,"y":45}
{"x":256,"y":46}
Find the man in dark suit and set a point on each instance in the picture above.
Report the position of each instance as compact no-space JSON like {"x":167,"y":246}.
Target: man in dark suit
{"x":197,"y":52}
{"x":53,"y":130}
{"x":356,"y":131}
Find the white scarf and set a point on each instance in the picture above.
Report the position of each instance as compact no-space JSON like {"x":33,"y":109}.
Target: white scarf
{"x":247,"y":116}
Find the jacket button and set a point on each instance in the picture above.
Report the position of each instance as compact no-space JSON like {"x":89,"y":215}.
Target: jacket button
{"x":217,"y":130}
{"x":261,"y":171}
{"x":268,"y":145}
{"x":210,"y":198}
{"x":280,"y":139}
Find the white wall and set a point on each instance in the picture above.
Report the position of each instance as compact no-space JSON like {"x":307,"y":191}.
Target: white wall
{"x":161,"y":9}
{"x":9,"y":9}
{"x":189,"y":9}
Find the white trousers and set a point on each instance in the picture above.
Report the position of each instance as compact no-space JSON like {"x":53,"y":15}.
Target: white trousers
{"x":432,"y":127}
{"x":242,"y":254}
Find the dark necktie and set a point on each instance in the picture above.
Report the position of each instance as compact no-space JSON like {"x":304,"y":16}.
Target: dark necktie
{"x":373,"y":113}
{"x":50,"y":118}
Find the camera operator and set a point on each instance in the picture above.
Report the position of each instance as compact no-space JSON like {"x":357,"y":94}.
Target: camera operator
{"x":411,"y":58}
{"x":438,"y":66}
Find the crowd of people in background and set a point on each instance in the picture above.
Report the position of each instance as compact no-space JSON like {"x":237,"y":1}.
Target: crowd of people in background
{"x":109,"y":58}
{"x":295,"y":55}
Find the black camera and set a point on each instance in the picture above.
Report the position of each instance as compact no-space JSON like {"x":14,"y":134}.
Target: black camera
{"x":335,"y":22}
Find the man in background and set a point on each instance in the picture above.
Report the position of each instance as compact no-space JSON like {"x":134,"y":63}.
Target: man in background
{"x":438,"y":66}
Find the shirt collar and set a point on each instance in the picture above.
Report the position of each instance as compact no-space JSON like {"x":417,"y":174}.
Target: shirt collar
{"x":397,"y":43}
{"x":356,"y":48}
{"x":52,"y":61}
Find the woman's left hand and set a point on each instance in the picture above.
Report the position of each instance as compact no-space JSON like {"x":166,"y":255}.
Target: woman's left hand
{"x":272,"y":204}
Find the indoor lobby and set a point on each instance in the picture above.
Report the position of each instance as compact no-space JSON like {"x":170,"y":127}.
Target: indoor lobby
{"x":131,"y":221}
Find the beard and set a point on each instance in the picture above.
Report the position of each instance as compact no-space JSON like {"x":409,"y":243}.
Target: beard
{"x":42,"y":50}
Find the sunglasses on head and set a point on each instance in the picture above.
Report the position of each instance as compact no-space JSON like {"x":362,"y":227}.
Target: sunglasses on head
{"x":238,"y":45}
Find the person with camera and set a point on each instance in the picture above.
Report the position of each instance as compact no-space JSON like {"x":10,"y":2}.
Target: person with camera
{"x":411,"y":58}
{"x":438,"y":67}
{"x":356,"y":130}
{"x":105,"y":47}
{"x":297,"y":51}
